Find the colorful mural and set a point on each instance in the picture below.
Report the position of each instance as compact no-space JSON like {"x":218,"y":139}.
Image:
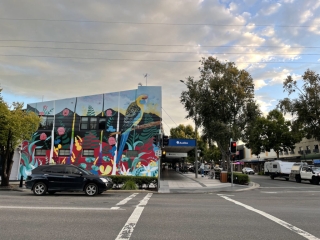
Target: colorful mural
{"x":108,"y":134}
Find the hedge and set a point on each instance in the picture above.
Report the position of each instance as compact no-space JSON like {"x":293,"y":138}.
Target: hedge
{"x":239,"y":178}
{"x":141,"y":182}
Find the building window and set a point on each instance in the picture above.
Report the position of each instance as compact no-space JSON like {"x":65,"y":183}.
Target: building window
{"x":46,"y":122}
{"x":40,"y":152}
{"x":64,"y":152}
{"x":88,"y":153}
{"x":102,"y":123}
{"x":91,"y":123}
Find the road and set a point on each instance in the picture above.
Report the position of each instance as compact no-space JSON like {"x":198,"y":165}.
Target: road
{"x":277,"y":210}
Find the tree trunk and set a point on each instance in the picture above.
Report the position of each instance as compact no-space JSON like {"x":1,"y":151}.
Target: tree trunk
{"x":7,"y":161}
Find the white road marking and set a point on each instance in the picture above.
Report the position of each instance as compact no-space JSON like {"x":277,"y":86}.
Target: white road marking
{"x":275,"y":219}
{"x":58,"y":208}
{"x":124,"y":201}
{"x":128,"y":228}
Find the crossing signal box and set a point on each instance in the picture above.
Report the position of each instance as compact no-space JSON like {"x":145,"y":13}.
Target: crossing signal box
{"x":165,"y":140}
{"x":233,"y":147}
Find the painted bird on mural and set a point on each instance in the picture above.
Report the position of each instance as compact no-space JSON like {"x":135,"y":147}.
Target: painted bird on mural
{"x":132,"y":118}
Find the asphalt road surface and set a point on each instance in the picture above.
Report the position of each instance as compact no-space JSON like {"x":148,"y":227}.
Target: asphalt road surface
{"x":277,"y":210}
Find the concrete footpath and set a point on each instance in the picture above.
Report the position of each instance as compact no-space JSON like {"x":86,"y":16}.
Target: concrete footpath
{"x":177,"y":182}
{"x":172,"y":182}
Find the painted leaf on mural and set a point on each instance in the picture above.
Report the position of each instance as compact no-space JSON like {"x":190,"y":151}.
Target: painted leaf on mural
{"x":90,"y":141}
{"x":148,"y":133}
{"x":91,"y":111}
{"x":90,"y":159}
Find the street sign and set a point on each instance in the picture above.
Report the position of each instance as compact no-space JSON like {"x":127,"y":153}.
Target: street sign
{"x":158,"y":153}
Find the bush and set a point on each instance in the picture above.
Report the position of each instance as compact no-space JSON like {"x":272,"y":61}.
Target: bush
{"x":129,"y":185}
{"x":260,"y":173}
{"x":141,"y":182}
{"x":239,"y":178}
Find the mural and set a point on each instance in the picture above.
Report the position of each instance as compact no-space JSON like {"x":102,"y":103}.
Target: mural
{"x":107,"y":134}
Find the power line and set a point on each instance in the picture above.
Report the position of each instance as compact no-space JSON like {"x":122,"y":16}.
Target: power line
{"x":139,"y":51}
{"x":157,"y":23}
{"x":169,"y":116}
{"x":150,"y":45}
{"x":143,"y":60}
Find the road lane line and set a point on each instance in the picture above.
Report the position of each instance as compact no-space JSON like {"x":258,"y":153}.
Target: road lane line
{"x":128,"y":228}
{"x":275,"y":219}
{"x":124,"y":201}
{"x":58,"y":208}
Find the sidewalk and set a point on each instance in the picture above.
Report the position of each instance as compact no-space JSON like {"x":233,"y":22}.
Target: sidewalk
{"x":177,"y":182}
{"x":172,"y":182}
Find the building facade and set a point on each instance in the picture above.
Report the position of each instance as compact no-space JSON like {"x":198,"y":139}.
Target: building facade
{"x":107,"y":134}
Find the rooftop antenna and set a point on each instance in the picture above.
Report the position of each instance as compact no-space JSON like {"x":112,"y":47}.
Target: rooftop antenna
{"x":146,"y":76}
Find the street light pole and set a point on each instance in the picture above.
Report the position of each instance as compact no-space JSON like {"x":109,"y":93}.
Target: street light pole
{"x":196,"y":133}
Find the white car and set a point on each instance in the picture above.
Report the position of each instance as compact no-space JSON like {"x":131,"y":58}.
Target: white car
{"x":247,"y":170}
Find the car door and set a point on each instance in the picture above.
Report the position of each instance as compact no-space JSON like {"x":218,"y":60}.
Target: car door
{"x":303,"y":173}
{"x":55,"y":177}
{"x":74,"y":178}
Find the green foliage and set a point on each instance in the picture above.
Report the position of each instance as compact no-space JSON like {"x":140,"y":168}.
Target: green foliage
{"x":16,"y":125}
{"x":119,"y":180}
{"x":129,"y":185}
{"x":306,"y":107}
{"x":239,"y":178}
{"x":182,"y":131}
{"x":271,"y":132}
{"x":222,"y":101}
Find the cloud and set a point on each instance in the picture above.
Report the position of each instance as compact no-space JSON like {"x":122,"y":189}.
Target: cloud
{"x":107,"y":46}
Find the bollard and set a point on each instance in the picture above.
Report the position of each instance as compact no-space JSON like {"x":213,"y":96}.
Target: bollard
{"x":21,"y":181}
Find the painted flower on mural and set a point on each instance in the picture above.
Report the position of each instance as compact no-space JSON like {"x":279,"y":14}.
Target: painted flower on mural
{"x":125,"y":171}
{"x":149,"y":171}
{"x":111,"y":141}
{"x":61,"y":131}
{"x":65,"y":112}
{"x":43,"y":136}
{"x":111,"y":129}
{"x":109,"y":113}
{"x":45,"y":107}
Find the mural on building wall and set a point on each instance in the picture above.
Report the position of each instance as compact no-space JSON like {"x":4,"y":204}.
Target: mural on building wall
{"x":107,"y":134}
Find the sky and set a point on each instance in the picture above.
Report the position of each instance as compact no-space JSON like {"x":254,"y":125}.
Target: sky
{"x":56,"y":49}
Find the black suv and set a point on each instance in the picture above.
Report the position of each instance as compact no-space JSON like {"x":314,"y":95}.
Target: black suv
{"x":60,"y":178}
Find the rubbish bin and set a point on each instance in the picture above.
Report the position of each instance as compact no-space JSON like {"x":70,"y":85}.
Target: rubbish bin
{"x":224,"y":176}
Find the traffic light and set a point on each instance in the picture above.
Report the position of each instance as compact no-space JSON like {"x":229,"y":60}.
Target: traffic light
{"x":165,"y":140}
{"x":163,"y":153}
{"x":233,"y":146}
{"x":155,"y":140}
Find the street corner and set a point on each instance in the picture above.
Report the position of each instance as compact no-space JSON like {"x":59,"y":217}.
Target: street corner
{"x":251,"y":186}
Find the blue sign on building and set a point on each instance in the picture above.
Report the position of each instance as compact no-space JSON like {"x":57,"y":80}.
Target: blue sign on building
{"x":182,"y":142}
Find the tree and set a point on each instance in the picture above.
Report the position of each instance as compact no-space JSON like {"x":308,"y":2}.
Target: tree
{"x":222,"y":102}
{"x":16,"y":125}
{"x":272,"y":132}
{"x":306,"y":107}
{"x":182,"y":131}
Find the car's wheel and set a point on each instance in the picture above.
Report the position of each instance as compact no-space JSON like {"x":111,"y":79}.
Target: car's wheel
{"x":272,"y":177}
{"x":39,"y":189}
{"x":51,"y":192}
{"x":91,"y":189}
{"x":315,"y":180}
{"x":298,"y":179}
